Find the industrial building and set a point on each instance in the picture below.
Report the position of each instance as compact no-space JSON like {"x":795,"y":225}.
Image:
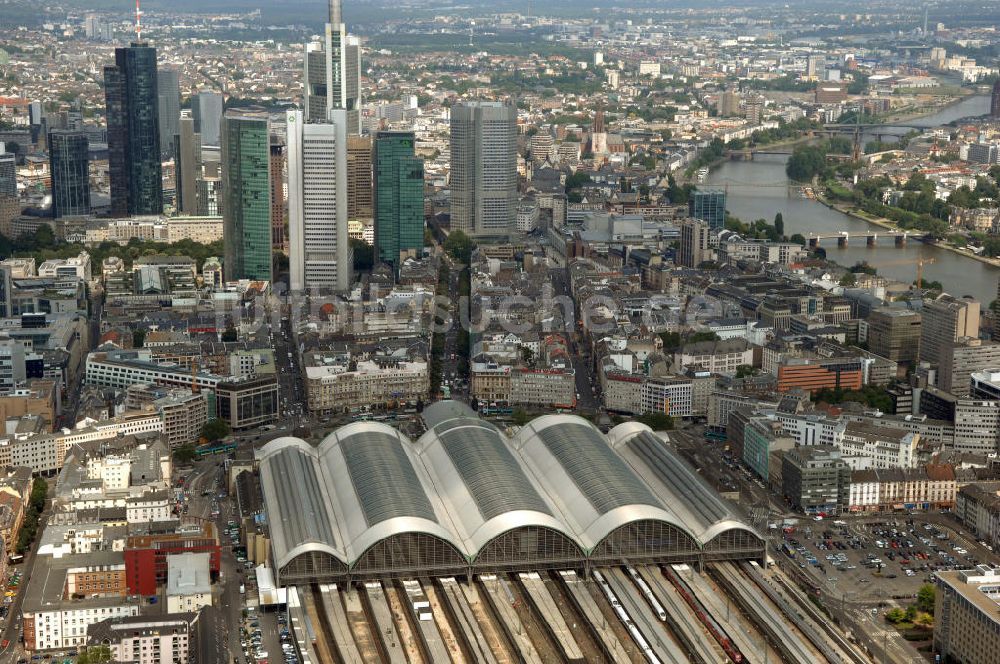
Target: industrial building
{"x":464,"y":498}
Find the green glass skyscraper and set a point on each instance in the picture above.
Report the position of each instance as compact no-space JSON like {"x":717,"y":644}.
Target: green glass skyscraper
{"x":709,"y":205}
{"x":246,"y":186}
{"x":399,"y":197}
{"x":132,"y":102}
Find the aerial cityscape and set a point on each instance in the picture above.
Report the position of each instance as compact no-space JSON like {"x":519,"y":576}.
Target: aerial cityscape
{"x":435,"y":333}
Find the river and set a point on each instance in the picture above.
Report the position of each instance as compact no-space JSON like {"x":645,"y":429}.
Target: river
{"x":759,"y":189}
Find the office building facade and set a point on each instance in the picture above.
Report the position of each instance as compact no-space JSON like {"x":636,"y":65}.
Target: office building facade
{"x":944,"y":321}
{"x":246,"y":189}
{"x":187,"y":164}
{"x":332,"y":74}
{"x":483,"y":179}
{"x":69,"y":164}
{"x":693,"y":249}
{"x":319,"y":249}
{"x":399,"y":197}
{"x":710,"y":206}
{"x":169,"y":96}
{"x":8,"y":173}
{"x":359,"y":178}
{"x":278,"y":217}
{"x":132,"y":103}
{"x":894,"y":334}
{"x":207,"y":109}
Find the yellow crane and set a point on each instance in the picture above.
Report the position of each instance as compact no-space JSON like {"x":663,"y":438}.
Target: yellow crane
{"x":920,"y":262}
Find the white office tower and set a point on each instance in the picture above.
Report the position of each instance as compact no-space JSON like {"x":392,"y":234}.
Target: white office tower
{"x":333,"y":74}
{"x":319,"y":250}
{"x":483,"y":177}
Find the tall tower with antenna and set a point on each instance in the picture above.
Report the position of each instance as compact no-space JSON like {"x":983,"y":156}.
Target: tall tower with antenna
{"x":333,"y":73}
{"x":138,"y":22}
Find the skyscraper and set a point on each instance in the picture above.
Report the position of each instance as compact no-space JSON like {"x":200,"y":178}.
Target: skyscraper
{"x":69,"y":163}
{"x":359,"y":177}
{"x":277,"y":193}
{"x":8,"y":172}
{"x":318,"y":248}
{"x":483,"y":178}
{"x":246,"y":188}
{"x":332,"y":74}
{"x":132,"y":99}
{"x":207,"y":108}
{"x":187,"y":160}
{"x":946,"y":320}
{"x":708,"y":205}
{"x":995,"y":101}
{"x":169,"y":95}
{"x":399,"y":197}
{"x":693,"y":250}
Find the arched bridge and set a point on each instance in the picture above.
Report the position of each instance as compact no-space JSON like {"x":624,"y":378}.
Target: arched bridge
{"x":843,"y":238}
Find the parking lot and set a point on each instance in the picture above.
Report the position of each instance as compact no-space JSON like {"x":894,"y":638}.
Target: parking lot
{"x":874,"y":559}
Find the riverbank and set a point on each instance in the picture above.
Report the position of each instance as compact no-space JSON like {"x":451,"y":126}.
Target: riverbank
{"x":766,"y":146}
{"x":889,"y":225}
{"x":920,"y":115}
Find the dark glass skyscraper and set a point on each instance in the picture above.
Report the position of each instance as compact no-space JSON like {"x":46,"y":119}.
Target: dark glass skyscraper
{"x":709,"y":206}
{"x":69,"y":162}
{"x":132,"y":100}
{"x":399,"y":196}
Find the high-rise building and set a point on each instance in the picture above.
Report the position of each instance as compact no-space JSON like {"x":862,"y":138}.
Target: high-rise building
{"x":894,"y":334}
{"x":187,"y":164}
{"x":169,"y":94}
{"x":207,"y":108}
{"x":359,"y":177}
{"x":483,"y":177}
{"x":8,"y":172}
{"x":399,"y":197}
{"x":946,"y":320}
{"x":693,"y":249}
{"x":729,"y":103}
{"x":69,"y":164}
{"x":318,"y":247}
{"x":995,"y":101}
{"x":333,"y":74}
{"x":246,"y":191}
{"x":814,"y":64}
{"x":277,"y":193}
{"x":960,"y":359}
{"x":132,"y":99}
{"x":709,"y":205}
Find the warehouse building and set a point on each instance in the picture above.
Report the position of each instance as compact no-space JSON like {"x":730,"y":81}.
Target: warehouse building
{"x":465,"y":498}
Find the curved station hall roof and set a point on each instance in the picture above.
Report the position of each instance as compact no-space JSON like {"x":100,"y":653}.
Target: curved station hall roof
{"x":368,"y":501}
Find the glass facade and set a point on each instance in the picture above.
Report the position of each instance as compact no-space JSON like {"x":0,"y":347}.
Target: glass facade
{"x":132,"y":104}
{"x":246,"y":157}
{"x":69,"y":162}
{"x":399,"y":197}
{"x":709,"y":206}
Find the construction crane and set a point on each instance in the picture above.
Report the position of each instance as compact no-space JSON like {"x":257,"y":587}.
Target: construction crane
{"x":920,"y":261}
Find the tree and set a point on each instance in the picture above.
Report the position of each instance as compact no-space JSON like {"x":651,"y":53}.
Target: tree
{"x":849,"y":280}
{"x":138,"y":338}
{"x":895,"y":616}
{"x":925,"y":598}
{"x":364,"y":255}
{"x":744,"y":371}
{"x":230,"y":334}
{"x":185,"y":453}
{"x":798,"y":238}
{"x":44,"y":237}
{"x":459,"y":246}
{"x":520,"y":417}
{"x":94,"y":655}
{"x":215,"y":429}
{"x":779,"y":225}
{"x":657,"y":421}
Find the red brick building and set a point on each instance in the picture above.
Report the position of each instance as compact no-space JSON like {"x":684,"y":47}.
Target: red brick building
{"x":146,"y":555}
{"x":816,"y":374}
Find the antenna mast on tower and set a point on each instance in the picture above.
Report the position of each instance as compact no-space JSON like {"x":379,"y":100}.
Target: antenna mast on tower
{"x":138,"y":22}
